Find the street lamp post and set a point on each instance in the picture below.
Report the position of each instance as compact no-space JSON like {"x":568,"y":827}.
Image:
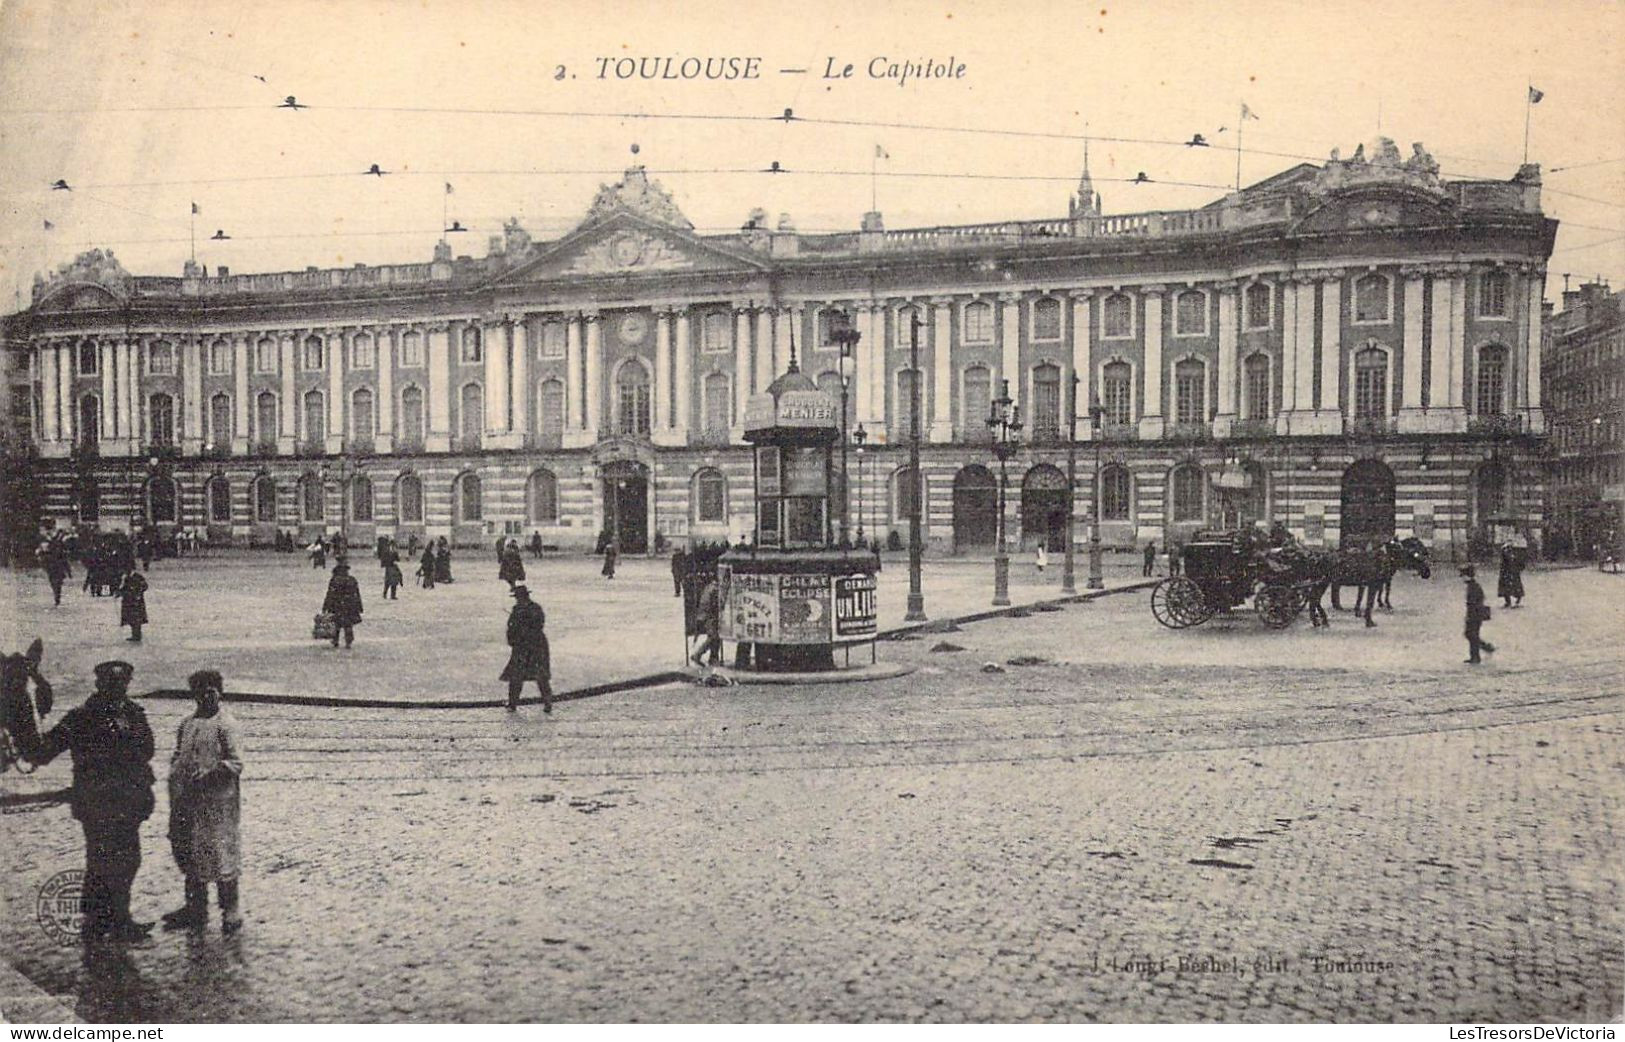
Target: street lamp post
{"x":1069,"y":581}
{"x":1097,"y":580}
{"x":847,"y":338}
{"x":916,"y":545}
{"x":860,"y":436}
{"x":1004,"y":422}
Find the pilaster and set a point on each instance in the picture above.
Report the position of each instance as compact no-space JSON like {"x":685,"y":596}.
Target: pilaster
{"x":385,"y":338}
{"x":942,"y":370}
{"x":1151,"y":423}
{"x":287,"y":435}
{"x":1412,"y":413}
{"x":239,"y":362}
{"x":438,"y":438}
{"x":335,"y":355}
{"x":1228,"y":333}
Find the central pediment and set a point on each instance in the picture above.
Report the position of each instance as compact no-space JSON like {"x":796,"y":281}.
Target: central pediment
{"x":624,"y":243}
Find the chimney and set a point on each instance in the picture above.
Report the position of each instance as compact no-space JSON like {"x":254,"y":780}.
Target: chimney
{"x":222,"y":271}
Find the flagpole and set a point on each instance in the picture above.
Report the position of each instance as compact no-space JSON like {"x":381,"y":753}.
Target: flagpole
{"x":874,"y":178}
{"x":1241,"y":124}
{"x":1528,"y":106}
{"x":193,"y":233}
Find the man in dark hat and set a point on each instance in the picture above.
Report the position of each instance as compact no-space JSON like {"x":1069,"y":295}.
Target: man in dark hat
{"x":111,"y":796}
{"x":1478,"y":613}
{"x":343,"y":602}
{"x":531,"y":658}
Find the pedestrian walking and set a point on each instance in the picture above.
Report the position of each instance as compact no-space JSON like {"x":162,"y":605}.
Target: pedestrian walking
{"x":531,"y":658}
{"x":442,"y":562}
{"x":1478,"y":613}
{"x":133,"y":604}
{"x":1150,"y":558}
{"x":612,"y":553}
{"x":1173,"y":557}
{"x":205,"y":804}
{"x":536,"y":545}
{"x":343,"y":602}
{"x":1509,"y":582}
{"x":710,"y":625}
{"x":511,"y":567}
{"x":679,"y":565}
{"x":57,"y":568}
{"x":426,"y":568}
{"x":318,"y":554}
{"x":111,"y":796}
{"x":392,"y":579}
{"x":1042,"y":558}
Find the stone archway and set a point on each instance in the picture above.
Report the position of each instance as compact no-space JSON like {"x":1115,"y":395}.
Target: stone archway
{"x":626,"y":504}
{"x":976,"y":508}
{"x":1368,"y":503}
{"x":1043,"y":508}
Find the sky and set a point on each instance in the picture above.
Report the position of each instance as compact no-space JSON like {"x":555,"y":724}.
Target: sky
{"x":145,"y":107}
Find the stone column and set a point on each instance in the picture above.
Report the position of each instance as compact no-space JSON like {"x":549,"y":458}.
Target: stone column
{"x":1010,"y":347}
{"x":574,"y":386}
{"x":595,"y":375}
{"x":138,"y":403}
{"x":767,"y":363}
{"x":239,"y":361}
{"x":288,"y":436}
{"x":942,"y":370}
{"x":438,"y":438}
{"x":683,"y":378}
{"x":50,"y":393}
{"x":1412,"y":411}
{"x":494,"y":338}
{"x":1328,"y":414}
{"x":337,"y":350}
{"x":385,"y":341}
{"x":662,"y":384}
{"x":872,"y":368}
{"x":742,"y":373}
{"x":192,"y":393}
{"x":64,"y":384}
{"x":109,"y":397}
{"x":781,"y":341}
{"x":1303,"y":368}
{"x":1227,"y":360}
{"x":130,"y":399}
{"x":519,"y":389}
{"x":1460,"y":365}
{"x":1443,"y":371}
{"x":1151,"y":423}
{"x":1535,"y":411}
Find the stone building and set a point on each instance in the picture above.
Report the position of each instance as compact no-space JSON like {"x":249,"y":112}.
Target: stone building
{"x":1584,"y":363}
{"x":1351,"y":347}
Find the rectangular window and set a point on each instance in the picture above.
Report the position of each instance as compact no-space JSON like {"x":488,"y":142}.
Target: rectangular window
{"x":1189,"y":394}
{"x":219,"y":358}
{"x":1258,"y":306}
{"x":88,"y":359}
{"x":161,"y":359}
{"x":978,"y":323}
{"x":1190,"y":314}
{"x":554,"y":339}
{"x":361,"y":353}
{"x":1494,"y":289}
{"x":1047,"y":319}
{"x":1118,"y":394}
{"x":1117,"y":316}
{"x":411,"y":349}
{"x":265,"y":356}
{"x":716,"y":332}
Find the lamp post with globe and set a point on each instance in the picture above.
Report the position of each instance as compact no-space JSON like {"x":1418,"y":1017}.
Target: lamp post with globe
{"x":1004,"y":423}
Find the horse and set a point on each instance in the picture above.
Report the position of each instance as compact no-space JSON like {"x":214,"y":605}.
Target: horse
{"x":1372,"y":571}
{"x":21,"y":709}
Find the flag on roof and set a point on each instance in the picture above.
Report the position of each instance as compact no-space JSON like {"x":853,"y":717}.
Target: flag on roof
{"x":1535,"y":95}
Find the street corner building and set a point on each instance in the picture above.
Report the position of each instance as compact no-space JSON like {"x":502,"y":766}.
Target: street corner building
{"x":1352,"y":348}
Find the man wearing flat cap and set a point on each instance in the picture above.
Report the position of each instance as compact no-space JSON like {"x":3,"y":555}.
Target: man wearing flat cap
{"x":531,"y":658}
{"x":1478,"y":613}
{"x":111,"y":796}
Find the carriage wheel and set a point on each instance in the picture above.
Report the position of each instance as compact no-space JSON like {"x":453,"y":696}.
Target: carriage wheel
{"x":1176,"y":602}
{"x":1278,"y":605}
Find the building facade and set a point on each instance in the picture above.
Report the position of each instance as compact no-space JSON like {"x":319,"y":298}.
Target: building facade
{"x":1584,"y":361}
{"x":1352,"y":348}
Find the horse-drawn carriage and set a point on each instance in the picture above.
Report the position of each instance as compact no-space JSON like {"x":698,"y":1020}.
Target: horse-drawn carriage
{"x":1222,"y":571}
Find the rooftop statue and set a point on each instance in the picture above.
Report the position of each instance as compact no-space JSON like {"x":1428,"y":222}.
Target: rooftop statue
{"x":639,"y":195}
{"x":1385,"y":167}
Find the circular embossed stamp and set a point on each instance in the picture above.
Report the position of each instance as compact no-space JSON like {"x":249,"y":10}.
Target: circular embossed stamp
{"x":60,"y":906}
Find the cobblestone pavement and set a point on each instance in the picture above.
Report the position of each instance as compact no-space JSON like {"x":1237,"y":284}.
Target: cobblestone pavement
{"x":1396,"y":837}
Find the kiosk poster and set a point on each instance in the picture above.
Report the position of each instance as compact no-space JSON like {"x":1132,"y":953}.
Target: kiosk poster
{"x":804,"y":609}
{"x":753,"y":609}
{"x":854,"y":606}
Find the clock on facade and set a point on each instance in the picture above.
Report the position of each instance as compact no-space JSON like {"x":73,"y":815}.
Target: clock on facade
{"x":626,"y":249}
{"x":632,"y":328}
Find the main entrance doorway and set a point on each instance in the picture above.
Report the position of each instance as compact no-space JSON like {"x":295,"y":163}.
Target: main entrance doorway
{"x":1368,"y":503}
{"x":976,"y":508}
{"x":626,"y":505}
{"x":1043,"y":508}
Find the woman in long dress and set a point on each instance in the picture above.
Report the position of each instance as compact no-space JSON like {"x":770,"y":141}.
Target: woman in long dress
{"x":205,"y":807}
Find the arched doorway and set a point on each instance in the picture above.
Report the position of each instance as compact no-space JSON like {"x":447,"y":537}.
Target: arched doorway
{"x":626,"y":505}
{"x":1368,"y":503}
{"x":976,"y":508}
{"x":1043,"y":508}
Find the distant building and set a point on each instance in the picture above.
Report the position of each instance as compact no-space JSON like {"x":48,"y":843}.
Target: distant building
{"x":1583,"y":370}
{"x":1352,"y":348}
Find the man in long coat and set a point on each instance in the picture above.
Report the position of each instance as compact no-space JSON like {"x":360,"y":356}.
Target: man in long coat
{"x":111,"y":796}
{"x":511,"y":569}
{"x":531,"y":658}
{"x":133,"y":604}
{"x":343,"y":602}
{"x":710,"y":625}
{"x":1477,"y":614}
{"x":205,"y":806}
{"x":57,"y":568}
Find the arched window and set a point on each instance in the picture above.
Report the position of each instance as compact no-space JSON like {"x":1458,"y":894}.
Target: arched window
{"x":412,"y":416}
{"x":265,"y":355}
{"x":315,"y":418}
{"x":1371,"y":298}
{"x":466,"y":499}
{"x":550,"y":406}
{"x":411,"y":348}
{"x":1046,"y":402}
{"x":361,"y":418}
{"x":905,"y":488}
{"x":1256,"y":393}
{"x":161,"y":358}
{"x":409,"y":500}
{"x":1188,"y":483}
{"x":908,"y":386}
{"x":543,"y":497}
{"x":1257,"y":303}
{"x":1492,"y":378}
{"x":220,"y":500}
{"x":1046,"y":319}
{"x":978,"y":317}
{"x":265,"y":499}
{"x":312,"y":498}
{"x":313,"y":352}
{"x":1117,"y":316}
{"x":1370,"y":384}
{"x":220,"y":421}
{"x":710,"y":497}
{"x":632,"y":400}
{"x":1494,"y":293}
{"x":219,"y":358}
{"x":977,"y":403}
{"x":362,"y":353}
{"x":1114,"y":493}
{"x":472,"y":412}
{"x":90,"y":421}
{"x":471,"y":346}
{"x":1117,"y":392}
{"x":1190,"y":313}
{"x":718,"y":404}
{"x":1190,"y":392}
{"x":161,"y":421}
{"x":265,"y":418}
{"x":361,"y":498}
{"x":161,"y":499}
